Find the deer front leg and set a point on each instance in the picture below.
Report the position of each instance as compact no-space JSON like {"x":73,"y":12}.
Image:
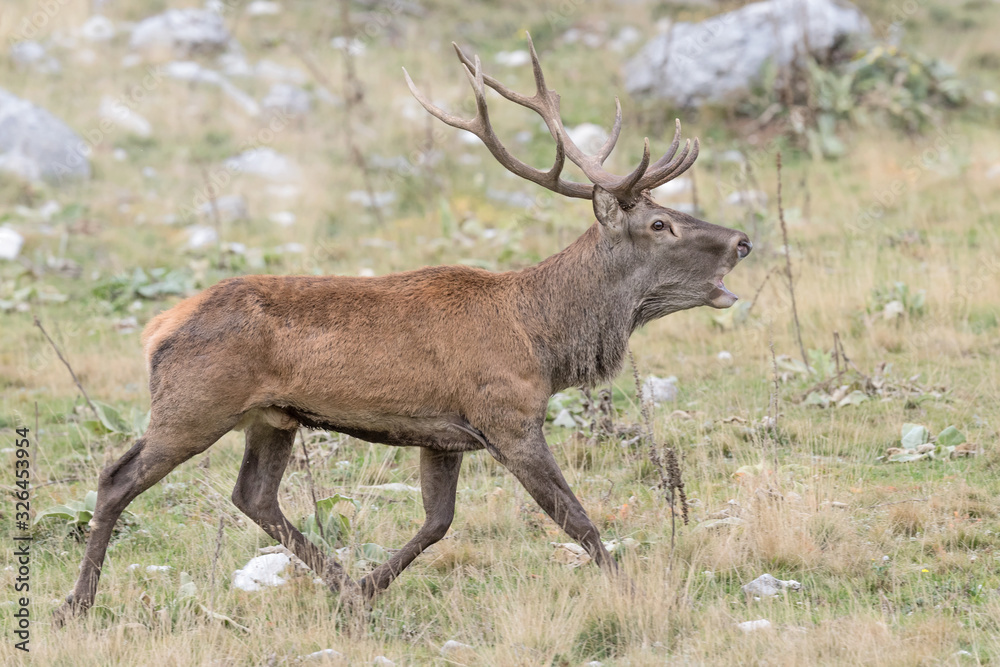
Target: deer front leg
{"x":530,"y":460}
{"x":438,"y":482}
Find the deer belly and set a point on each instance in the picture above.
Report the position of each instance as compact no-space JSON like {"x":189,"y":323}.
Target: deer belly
{"x":446,"y":433}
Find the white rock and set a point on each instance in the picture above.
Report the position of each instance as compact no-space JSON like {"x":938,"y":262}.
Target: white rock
{"x":123,"y":117}
{"x":10,"y":243}
{"x":35,"y":145}
{"x":27,"y":52}
{"x":751,"y":626}
{"x":766,"y":586}
{"x":283,"y":218}
{"x":263,"y":8}
{"x":722,"y":57}
{"x":325,"y":654}
{"x":512,"y":58}
{"x":395,"y":487}
{"x":97,"y":29}
{"x":747,"y":198}
{"x":659,"y":390}
{"x":382,"y":661}
{"x":378,"y":199}
{"x":588,"y":136}
{"x":261,"y":571}
{"x":288,"y":99}
{"x":266,"y":163}
{"x":230,"y":208}
{"x":354,"y":47}
{"x":272,"y":71}
{"x":678,"y":186}
{"x":180,"y":33}
{"x":152,"y":569}
{"x":200,"y":236}
{"x":725,"y":356}
{"x":452,"y":646}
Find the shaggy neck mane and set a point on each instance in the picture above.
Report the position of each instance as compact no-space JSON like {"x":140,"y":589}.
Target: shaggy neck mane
{"x":580,"y":312}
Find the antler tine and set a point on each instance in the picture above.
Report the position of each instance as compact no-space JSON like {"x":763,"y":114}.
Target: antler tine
{"x":669,"y":155}
{"x":545,"y":102}
{"x":438,"y":113}
{"x":481,"y":127}
{"x":625,"y":188}
{"x":684,"y":162}
{"x":616,"y":129}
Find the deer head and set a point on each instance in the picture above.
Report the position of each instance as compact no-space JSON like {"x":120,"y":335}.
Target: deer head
{"x":672,"y":260}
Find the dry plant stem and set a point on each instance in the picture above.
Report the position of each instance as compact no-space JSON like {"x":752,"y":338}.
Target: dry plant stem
{"x":312,"y":487}
{"x":899,"y":502}
{"x":774,"y":406}
{"x":760,"y":289}
{"x":55,"y":347}
{"x":215,"y":560}
{"x":214,"y":208}
{"x":788,"y":267}
{"x":353,"y":98}
{"x":670,"y":474}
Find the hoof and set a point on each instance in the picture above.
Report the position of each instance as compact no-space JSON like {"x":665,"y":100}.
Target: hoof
{"x":66,"y":612}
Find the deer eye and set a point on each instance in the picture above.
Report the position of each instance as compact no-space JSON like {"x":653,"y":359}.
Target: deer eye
{"x":658,"y":225}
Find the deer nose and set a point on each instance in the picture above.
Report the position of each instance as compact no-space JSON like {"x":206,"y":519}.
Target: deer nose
{"x":744,"y":247}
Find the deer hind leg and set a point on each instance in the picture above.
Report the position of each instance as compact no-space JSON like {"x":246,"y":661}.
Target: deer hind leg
{"x":256,"y":494}
{"x":159,"y":451}
{"x":438,"y":482}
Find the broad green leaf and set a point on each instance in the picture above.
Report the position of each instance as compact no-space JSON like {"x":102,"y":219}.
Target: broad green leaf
{"x":914,"y":435}
{"x":856,"y":397}
{"x":950,"y":437}
{"x":111,"y":419}
{"x":818,"y":398}
{"x":372,"y":553}
{"x":187,"y":588}
{"x":58,"y":512}
{"x":90,"y":501}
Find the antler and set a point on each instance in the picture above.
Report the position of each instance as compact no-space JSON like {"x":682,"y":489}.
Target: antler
{"x":545,"y":103}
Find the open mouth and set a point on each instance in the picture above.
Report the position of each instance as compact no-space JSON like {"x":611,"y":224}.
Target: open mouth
{"x":721,"y":297}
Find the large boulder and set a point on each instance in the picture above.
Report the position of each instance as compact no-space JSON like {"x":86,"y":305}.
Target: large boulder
{"x":35,"y":145}
{"x":721,"y":58}
{"x":180,"y":33}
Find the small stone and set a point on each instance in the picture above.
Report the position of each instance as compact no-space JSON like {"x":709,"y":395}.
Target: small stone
{"x":454,"y":648}
{"x":266,"y":163}
{"x":283,"y":218}
{"x":752,"y":626}
{"x":97,"y":29}
{"x":725,"y":356}
{"x":10,"y":243}
{"x":659,"y":390}
{"x":180,"y":33}
{"x":382,"y":661}
{"x":512,"y":58}
{"x":767,"y":585}
{"x":325,"y":654}
{"x":263,"y":8}
{"x":200,"y":236}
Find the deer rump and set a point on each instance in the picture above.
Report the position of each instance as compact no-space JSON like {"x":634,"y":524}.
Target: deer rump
{"x":316,"y":352}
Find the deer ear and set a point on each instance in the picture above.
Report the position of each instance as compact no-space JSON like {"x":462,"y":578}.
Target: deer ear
{"x":607,"y":209}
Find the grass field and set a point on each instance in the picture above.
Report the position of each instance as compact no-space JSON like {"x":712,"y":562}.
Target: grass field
{"x":894,"y":246}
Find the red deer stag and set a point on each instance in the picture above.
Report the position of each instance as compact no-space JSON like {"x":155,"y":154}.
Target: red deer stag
{"x":450,"y":359}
